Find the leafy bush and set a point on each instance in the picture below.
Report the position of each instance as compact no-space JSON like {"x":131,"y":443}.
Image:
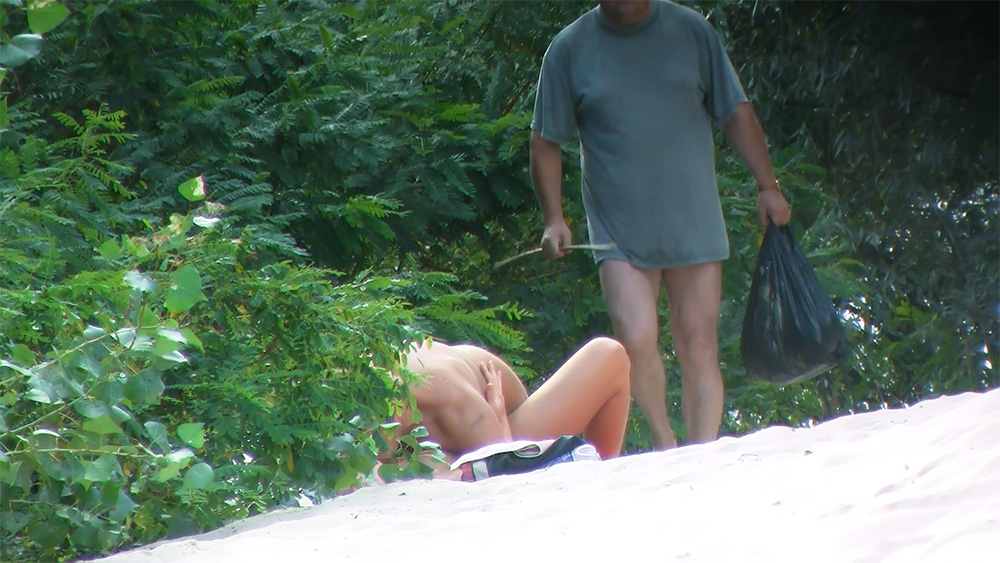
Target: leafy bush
{"x":172,"y":379}
{"x":387,"y":142}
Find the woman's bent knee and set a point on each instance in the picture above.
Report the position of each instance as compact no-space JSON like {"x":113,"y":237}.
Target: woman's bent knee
{"x":606,"y":346}
{"x":613,"y":356}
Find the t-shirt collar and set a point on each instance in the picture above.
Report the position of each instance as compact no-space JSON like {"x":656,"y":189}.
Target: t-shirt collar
{"x":654,"y":11}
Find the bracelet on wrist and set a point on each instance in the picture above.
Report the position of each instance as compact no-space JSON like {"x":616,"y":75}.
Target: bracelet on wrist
{"x":775,"y":186}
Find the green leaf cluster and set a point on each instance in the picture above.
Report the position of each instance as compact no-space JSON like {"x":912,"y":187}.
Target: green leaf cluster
{"x":205,"y":306}
{"x":176,"y":381}
{"x":167,"y":372}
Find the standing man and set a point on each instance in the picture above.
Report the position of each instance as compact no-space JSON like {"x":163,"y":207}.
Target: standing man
{"x":642,"y":80}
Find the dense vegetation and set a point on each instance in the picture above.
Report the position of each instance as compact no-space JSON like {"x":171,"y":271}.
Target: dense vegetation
{"x":220,"y":222}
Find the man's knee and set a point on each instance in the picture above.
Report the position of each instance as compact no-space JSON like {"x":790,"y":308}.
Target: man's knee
{"x":698,"y":347}
{"x":638,"y":336}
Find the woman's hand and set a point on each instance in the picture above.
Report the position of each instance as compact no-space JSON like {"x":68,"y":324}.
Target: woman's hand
{"x":494,"y":395}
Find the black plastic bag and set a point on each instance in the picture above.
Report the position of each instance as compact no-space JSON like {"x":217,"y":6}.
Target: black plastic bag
{"x":791,"y":330}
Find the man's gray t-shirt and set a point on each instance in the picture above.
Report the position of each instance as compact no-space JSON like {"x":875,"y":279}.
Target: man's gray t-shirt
{"x":642,"y":99}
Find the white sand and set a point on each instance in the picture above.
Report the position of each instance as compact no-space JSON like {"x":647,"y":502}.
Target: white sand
{"x":915,"y":484}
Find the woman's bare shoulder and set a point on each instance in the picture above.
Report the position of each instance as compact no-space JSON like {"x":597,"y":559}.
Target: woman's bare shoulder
{"x":474,"y":354}
{"x":440,"y":358}
{"x":434,"y":349}
{"x":427,"y":352}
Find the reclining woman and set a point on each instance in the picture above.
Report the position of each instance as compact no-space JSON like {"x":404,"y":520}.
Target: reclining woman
{"x":468,"y":397}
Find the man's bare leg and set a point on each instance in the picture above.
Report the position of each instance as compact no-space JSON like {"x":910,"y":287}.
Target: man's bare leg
{"x":632,"y":296}
{"x":694,"y":293}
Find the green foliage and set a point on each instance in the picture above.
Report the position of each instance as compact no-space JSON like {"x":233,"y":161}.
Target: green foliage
{"x":908,"y":141}
{"x":45,"y":15}
{"x":172,"y":358}
{"x":358,"y":129}
{"x":20,"y":49}
{"x":163,"y":380}
{"x":99,"y":444}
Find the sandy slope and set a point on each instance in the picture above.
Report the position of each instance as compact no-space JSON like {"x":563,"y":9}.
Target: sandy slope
{"x":916,"y":484}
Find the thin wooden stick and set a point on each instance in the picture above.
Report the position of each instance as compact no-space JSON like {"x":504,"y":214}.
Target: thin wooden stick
{"x":539,"y":249}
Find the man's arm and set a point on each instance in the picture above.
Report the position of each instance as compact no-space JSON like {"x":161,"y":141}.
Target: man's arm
{"x":546,"y":174}
{"x":747,"y":138}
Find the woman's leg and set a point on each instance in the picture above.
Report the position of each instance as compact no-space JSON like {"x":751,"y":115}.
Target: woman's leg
{"x":589,"y":395}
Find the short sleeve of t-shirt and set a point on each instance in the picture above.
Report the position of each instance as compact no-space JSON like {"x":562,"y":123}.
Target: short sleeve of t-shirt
{"x":553,"y":118}
{"x":724,"y":88}
{"x":643,"y":99}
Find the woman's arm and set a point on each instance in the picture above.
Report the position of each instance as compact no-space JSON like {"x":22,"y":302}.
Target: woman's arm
{"x":514,"y":390}
{"x":494,"y":396}
{"x":456,"y":413}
